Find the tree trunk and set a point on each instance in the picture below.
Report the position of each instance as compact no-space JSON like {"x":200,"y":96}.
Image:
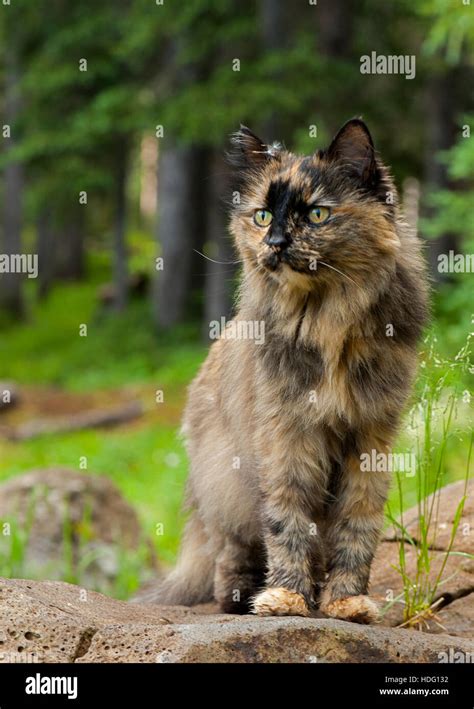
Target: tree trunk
{"x":60,"y":247}
{"x":202,"y":207}
{"x":274,"y":29}
{"x":441,"y":131}
{"x":180,"y":229}
{"x":69,"y":246}
{"x":11,"y":283}
{"x":120,"y":247}
{"x":44,"y":248}
{"x":335,"y":24}
{"x":220,"y":277}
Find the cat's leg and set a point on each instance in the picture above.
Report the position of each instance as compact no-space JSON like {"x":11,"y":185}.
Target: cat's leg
{"x":353,"y":529}
{"x":291,"y":488}
{"x":239,"y":574}
{"x":295,"y":557}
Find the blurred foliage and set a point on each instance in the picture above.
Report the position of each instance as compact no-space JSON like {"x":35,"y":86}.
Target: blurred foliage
{"x":454,"y":212}
{"x":172,"y":65}
{"x":451,"y":28}
{"x":117,"y":351}
{"x":455,"y":209}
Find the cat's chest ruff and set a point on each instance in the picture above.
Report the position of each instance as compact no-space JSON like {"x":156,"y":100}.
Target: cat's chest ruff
{"x":306,"y":362}
{"x":308,"y":347}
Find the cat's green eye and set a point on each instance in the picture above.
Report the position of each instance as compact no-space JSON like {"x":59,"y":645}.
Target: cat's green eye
{"x":263,"y":217}
{"x":318,"y":215}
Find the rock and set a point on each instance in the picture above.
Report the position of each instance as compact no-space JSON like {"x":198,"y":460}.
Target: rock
{"x":458,"y":618}
{"x":458,"y":575}
{"x":450,"y":497}
{"x":386,"y":583}
{"x":9,"y":396}
{"x":69,"y":517}
{"x":58,"y":622}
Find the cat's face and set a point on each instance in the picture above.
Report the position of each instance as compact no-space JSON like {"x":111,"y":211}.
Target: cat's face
{"x":308,"y":220}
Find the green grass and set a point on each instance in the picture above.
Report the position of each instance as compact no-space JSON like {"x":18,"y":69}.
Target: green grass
{"x":119,"y":350}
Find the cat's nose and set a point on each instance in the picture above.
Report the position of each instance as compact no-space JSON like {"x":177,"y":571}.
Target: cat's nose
{"x":277,"y":238}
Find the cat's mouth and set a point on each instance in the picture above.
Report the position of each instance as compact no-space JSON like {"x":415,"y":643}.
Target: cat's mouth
{"x":274,"y":259}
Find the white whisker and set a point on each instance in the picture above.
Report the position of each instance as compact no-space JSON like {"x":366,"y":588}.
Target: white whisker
{"x":338,"y":271}
{"x":223,"y":263}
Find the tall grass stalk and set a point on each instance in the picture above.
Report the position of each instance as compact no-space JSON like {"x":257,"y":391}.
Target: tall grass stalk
{"x":433,"y":419}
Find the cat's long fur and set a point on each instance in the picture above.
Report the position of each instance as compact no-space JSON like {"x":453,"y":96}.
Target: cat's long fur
{"x":282,"y":516}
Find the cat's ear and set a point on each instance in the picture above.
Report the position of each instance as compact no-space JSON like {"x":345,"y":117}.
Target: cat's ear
{"x":249,"y":151}
{"x":353,"y":147}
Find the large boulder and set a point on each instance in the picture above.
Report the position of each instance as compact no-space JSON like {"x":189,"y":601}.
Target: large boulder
{"x":58,"y":622}
{"x":64,"y":519}
{"x":445,"y":510}
{"x":52,"y":621}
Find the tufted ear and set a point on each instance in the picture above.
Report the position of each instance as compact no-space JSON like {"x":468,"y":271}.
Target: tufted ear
{"x":249,"y":151}
{"x":353,"y":147}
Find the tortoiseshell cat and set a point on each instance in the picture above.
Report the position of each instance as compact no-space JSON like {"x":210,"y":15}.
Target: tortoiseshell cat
{"x":283,"y":517}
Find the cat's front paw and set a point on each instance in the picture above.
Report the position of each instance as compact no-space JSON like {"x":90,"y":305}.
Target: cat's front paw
{"x":279,"y":601}
{"x":357,"y":609}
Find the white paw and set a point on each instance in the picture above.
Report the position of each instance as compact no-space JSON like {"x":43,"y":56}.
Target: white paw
{"x":358,"y":609}
{"x":279,"y":601}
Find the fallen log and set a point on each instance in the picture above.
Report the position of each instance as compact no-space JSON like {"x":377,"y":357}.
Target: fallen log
{"x":9,"y":395}
{"x":75,"y":422}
